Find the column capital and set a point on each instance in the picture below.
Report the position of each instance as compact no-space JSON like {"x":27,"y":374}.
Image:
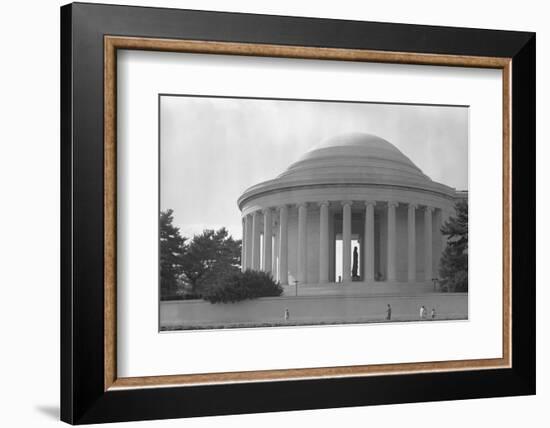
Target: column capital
{"x":267,"y":209}
{"x":392,"y":204}
{"x":428,"y":208}
{"x":301,"y":204}
{"x":369,"y":203}
{"x":413,"y":206}
{"x":344,"y":203}
{"x":323,"y":203}
{"x":255,"y":213}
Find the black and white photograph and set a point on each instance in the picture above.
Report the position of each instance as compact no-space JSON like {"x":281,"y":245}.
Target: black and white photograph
{"x":293,"y":212}
{"x":243,"y":214}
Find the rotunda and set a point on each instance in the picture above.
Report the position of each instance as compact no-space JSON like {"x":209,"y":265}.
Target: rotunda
{"x":353,"y":209}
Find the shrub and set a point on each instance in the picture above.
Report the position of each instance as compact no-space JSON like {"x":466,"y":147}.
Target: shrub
{"x":239,"y":286}
{"x":456,"y":284}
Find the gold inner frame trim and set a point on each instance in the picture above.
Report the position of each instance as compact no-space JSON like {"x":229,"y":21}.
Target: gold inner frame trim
{"x":113,"y":43}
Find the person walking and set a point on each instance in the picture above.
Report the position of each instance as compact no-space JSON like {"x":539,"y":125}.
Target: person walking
{"x":433,"y":314}
{"x":388,"y":312}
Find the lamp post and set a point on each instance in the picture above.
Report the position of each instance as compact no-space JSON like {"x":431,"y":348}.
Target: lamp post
{"x":296,"y":284}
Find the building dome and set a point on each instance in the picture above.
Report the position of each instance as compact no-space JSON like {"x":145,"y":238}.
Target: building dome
{"x":354,"y":159}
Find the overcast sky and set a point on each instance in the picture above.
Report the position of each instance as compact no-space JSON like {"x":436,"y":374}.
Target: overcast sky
{"x":212,"y":149}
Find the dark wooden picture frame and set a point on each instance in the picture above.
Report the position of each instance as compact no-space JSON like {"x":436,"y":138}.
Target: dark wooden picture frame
{"x":90,"y":37}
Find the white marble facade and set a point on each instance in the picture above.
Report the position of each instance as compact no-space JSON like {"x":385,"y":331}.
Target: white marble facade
{"x":354,"y":188}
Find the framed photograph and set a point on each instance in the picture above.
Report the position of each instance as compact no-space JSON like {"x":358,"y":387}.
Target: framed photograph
{"x":265,"y":213}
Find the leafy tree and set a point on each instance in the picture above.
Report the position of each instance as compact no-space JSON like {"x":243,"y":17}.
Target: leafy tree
{"x":210,"y":255}
{"x":171,"y":250}
{"x":453,"y":267}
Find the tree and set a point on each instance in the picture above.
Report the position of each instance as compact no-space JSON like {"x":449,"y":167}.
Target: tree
{"x":210,"y":255}
{"x":453,"y":267}
{"x":171,"y":250}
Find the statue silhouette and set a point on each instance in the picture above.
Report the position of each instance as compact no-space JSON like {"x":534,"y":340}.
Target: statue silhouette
{"x":355,"y":263}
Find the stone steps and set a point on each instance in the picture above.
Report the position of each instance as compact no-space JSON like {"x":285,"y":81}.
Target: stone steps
{"x":359,"y":288}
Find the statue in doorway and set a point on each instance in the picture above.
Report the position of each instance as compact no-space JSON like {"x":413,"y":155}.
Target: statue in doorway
{"x":355,"y":263}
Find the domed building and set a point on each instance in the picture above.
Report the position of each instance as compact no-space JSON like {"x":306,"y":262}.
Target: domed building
{"x":353,"y":209}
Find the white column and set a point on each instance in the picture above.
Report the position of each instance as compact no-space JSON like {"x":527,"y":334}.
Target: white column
{"x":323,"y":242}
{"x":268,"y":235}
{"x":248,"y":242}
{"x":411,"y":228}
{"x":302,"y":243}
{"x":283,"y":245}
{"x":346,"y":241}
{"x":243,"y":246}
{"x":255,"y":263}
{"x":274,"y":255}
{"x":369,"y":242}
{"x":428,"y":244}
{"x":391,"y":240}
{"x":437,"y":240}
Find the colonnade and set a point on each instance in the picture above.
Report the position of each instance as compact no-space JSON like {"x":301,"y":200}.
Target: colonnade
{"x":254,"y":250}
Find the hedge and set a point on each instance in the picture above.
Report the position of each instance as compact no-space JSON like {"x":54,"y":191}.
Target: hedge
{"x":240,"y":286}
